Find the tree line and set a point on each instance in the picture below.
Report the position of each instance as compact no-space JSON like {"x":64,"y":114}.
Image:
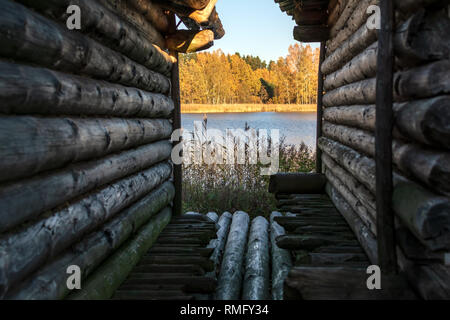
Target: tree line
{"x":218,"y":78}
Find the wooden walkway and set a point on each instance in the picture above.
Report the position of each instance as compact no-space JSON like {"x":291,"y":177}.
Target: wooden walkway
{"x":178,"y":266}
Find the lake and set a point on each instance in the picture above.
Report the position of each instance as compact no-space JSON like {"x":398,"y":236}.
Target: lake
{"x":295,"y":126}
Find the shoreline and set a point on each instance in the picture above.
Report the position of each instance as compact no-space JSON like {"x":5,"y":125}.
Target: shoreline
{"x":247,"y":108}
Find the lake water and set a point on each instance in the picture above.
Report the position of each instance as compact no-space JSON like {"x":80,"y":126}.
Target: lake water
{"x":295,"y":126}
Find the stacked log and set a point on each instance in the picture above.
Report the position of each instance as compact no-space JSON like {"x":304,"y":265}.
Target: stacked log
{"x":232,"y":269}
{"x":421,"y":131}
{"x":84,"y":130}
{"x":256,"y":277}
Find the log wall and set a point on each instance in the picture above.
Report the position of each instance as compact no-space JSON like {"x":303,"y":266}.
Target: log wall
{"x":421,"y":156}
{"x":85,"y":123}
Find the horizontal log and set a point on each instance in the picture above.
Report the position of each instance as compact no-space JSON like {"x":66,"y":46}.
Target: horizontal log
{"x":356,"y":93}
{"x":213,"y":216}
{"x":365,"y":237}
{"x":348,"y":7}
{"x":419,"y":120}
{"x":107,"y":278}
{"x":423,"y":212}
{"x":353,"y":46}
{"x":281,"y":259}
{"x":129,"y":14}
{"x":50,"y":281}
{"x":26,"y":199}
{"x":311,"y":33}
{"x":192,"y":4}
{"x":215,"y":25}
{"x":188,"y":41}
{"x":31,"y":90}
{"x":40,"y":144}
{"x":427,"y":165}
{"x":257,"y":276}
{"x":298,"y":183}
{"x":354,"y":22}
{"x":153,"y":13}
{"x":51,"y":45}
{"x":23,"y":251}
{"x":231,"y":274}
{"x":106,"y":27}
{"x":312,"y":241}
{"x":413,"y":5}
{"x":201,"y":17}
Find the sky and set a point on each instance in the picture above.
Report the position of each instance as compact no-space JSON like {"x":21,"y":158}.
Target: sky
{"x":255,"y":27}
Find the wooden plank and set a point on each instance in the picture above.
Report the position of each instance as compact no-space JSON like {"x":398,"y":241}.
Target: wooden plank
{"x":387,"y":257}
{"x":320,"y":108}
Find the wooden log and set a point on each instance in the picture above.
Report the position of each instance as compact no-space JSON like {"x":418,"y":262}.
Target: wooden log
{"x":213,"y":216}
{"x":281,"y":259}
{"x":312,"y":241}
{"x":222,"y":235}
{"x":30,"y":90}
{"x":153,"y":13}
{"x":348,"y":7}
{"x":52,"y":45}
{"x":310,"y":17}
{"x":202,"y":16}
{"x":361,"y":92}
{"x":423,"y":37}
{"x":429,"y":166}
{"x":420,"y":120}
{"x":26,"y":199}
{"x":187,"y":41}
{"x":191,"y":284}
{"x":344,"y":283}
{"x":413,"y":5}
{"x":297,"y":183}
{"x":231,"y":272}
{"x":25,"y":250}
{"x":203,"y":262}
{"x":40,"y":144}
{"x":423,"y":212}
{"x":107,"y":278}
{"x":128,"y":13}
{"x":360,"y":67}
{"x":353,"y":46}
{"x":366,"y":213}
{"x":311,"y":33}
{"x":256,"y":278}
{"x":353,"y":23}
{"x":192,"y":4}
{"x":365,"y":237}
{"x":215,"y":25}
{"x":49,"y":282}
{"x":320,"y":92}
{"x":108,"y":28}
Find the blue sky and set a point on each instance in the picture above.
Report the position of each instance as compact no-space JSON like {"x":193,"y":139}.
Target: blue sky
{"x":256,"y":27}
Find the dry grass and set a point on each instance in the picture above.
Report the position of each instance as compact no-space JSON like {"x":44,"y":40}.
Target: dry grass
{"x":236,"y":108}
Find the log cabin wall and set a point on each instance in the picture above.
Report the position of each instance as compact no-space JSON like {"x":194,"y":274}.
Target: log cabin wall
{"x":85,"y":123}
{"x":421,"y":135}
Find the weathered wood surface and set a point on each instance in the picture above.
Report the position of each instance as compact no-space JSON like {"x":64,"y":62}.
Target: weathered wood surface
{"x":24,"y":200}
{"x":427,"y":165}
{"x":342,"y":32}
{"x":23,"y":251}
{"x":281,"y":259}
{"x":353,"y":46}
{"x":348,"y":7}
{"x":412,"y":5}
{"x":192,"y":4}
{"x":311,"y":33}
{"x":106,"y":27}
{"x":52,"y":45}
{"x":153,"y":13}
{"x":344,"y":283}
{"x":257,"y":263}
{"x":188,"y":41}
{"x":40,"y":144}
{"x":50,"y":281}
{"x":108,"y":277}
{"x":129,"y":13}
{"x":297,"y":183}
{"x":424,"y":213}
{"x":34,"y":90}
{"x":222,"y":235}
{"x":213,"y":216}
{"x":232,"y":269}
{"x":421,"y":121}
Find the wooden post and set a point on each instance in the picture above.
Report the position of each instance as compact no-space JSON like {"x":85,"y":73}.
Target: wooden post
{"x":320,"y":109}
{"x":177,"y":169}
{"x":387,"y":257}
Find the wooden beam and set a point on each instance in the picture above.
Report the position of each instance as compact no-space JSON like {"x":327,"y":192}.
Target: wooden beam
{"x":188,"y":41}
{"x":387,"y":256}
{"x":314,"y":33}
{"x":320,"y":109}
{"x":177,"y":168}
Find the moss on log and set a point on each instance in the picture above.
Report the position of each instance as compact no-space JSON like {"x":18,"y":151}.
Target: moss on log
{"x":50,"y":281}
{"x":103,"y":283}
